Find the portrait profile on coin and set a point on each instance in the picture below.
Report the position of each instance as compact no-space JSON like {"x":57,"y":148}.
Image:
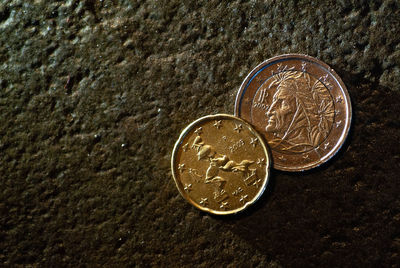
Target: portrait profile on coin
{"x":301,"y":113}
{"x":300,"y":105}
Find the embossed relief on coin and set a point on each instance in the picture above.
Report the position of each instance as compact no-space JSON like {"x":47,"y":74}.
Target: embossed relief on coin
{"x":221,"y":166}
{"x":297,"y":108}
{"x":301,"y":107}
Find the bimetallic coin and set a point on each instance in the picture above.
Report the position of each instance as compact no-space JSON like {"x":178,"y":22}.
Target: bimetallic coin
{"x":301,"y":107}
{"x":220,"y":164}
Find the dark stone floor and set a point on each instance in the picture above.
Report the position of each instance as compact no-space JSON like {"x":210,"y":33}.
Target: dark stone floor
{"x":94,"y":93}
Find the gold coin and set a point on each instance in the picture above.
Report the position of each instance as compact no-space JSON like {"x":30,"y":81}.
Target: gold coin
{"x":220,"y":164}
{"x":301,"y":107}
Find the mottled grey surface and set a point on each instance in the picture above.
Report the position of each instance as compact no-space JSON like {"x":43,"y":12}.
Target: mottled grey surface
{"x":93,"y":95}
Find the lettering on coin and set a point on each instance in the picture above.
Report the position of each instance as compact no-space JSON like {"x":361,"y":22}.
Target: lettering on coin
{"x":263,"y":95}
{"x":237,"y":191}
{"x":261,"y":106}
{"x":236,"y":145}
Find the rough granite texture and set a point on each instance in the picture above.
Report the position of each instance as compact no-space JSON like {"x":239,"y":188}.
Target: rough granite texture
{"x":94,"y":94}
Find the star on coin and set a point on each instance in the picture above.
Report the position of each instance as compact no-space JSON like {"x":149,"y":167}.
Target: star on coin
{"x":282,"y":158}
{"x":188,"y":187}
{"x":224,"y":205}
{"x":243,"y":198}
{"x":306,"y":157}
{"x":185,"y":147}
{"x":338,"y":123}
{"x":199,"y":130}
{"x":217,"y":124}
{"x":260,"y":161}
{"x":238,"y":128}
{"x":204,"y":202}
{"x":254,"y":142}
{"x":325,"y":78}
{"x":181,"y":167}
{"x":339,"y":99}
{"x":326,"y":145}
{"x":337,"y":112}
{"x":256,"y":183}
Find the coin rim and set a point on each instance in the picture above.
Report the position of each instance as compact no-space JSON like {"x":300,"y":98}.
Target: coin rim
{"x":343,"y":89}
{"x":183,"y":134}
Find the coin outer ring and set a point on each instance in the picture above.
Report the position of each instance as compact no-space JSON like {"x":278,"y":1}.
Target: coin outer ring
{"x":342,"y":88}
{"x":179,"y":142}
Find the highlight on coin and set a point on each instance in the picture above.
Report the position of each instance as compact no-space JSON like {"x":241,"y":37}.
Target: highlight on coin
{"x":220,"y":164}
{"x":301,"y":107}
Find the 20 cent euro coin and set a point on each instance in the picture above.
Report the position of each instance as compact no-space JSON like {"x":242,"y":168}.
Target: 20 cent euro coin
{"x":220,"y":164}
{"x":301,"y":107}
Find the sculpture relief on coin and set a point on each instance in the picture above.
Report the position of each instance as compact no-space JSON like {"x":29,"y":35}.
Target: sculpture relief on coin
{"x":220,"y":164}
{"x":300,"y":106}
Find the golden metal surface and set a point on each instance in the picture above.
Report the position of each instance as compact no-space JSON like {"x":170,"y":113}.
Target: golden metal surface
{"x":301,"y":107}
{"x":220,"y":164}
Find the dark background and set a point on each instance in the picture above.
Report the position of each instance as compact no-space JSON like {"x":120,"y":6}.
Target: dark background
{"x":94,"y":94}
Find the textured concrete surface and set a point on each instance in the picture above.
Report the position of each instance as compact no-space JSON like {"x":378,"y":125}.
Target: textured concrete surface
{"x":93,"y":95}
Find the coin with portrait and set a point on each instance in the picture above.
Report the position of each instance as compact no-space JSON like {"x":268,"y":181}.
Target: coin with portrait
{"x":300,"y":105}
{"x":220,"y":164}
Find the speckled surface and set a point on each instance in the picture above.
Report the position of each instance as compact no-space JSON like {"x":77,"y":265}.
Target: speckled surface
{"x":93,"y":95}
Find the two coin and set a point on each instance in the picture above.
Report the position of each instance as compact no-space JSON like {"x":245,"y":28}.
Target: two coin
{"x":300,"y":107}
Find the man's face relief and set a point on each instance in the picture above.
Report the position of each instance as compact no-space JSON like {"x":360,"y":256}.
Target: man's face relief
{"x":281,"y":111}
